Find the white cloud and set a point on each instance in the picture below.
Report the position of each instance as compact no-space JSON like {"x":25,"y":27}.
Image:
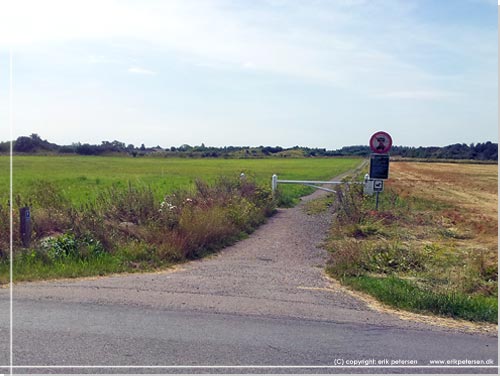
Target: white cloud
{"x":363,"y":48}
{"x":325,"y":43}
{"x":139,"y":70}
{"x":100,"y":59}
{"x":420,"y":95}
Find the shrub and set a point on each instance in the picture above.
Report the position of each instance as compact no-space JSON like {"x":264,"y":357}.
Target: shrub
{"x":135,"y":205}
{"x":347,"y":260}
{"x":49,"y":221}
{"x":130,"y":226}
{"x":348,"y":204}
{"x":204,"y":228}
{"x":389,"y":257}
{"x":68,"y":246}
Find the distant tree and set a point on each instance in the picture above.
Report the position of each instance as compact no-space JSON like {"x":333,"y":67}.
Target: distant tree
{"x":35,"y":137}
{"x":4,"y":147}
{"x":67,"y":149}
{"x":25,"y":145}
{"x":87,"y":149}
{"x":118,"y":145}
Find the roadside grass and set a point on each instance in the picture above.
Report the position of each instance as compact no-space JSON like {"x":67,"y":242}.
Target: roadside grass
{"x":418,"y":252}
{"x":127,"y":229}
{"x":32,"y":267}
{"x":89,"y":220}
{"x":406,"y":295}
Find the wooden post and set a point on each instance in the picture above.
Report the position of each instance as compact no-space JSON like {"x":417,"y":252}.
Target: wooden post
{"x":25,"y":221}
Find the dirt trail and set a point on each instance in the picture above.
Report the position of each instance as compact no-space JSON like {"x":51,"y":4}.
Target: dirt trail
{"x":277,"y":272}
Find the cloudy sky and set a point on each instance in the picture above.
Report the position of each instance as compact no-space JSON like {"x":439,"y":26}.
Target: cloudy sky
{"x":262,"y":72}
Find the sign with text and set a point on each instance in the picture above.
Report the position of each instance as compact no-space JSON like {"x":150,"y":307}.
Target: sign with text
{"x":379,"y":166}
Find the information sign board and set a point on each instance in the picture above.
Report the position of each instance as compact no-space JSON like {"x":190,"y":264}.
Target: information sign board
{"x":379,"y":166}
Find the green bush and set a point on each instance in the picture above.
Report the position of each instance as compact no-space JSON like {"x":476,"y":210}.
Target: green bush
{"x":389,"y":257}
{"x":68,"y":246}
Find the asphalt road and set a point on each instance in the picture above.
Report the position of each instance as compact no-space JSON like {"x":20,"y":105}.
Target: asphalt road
{"x":263,"y":302}
{"x":56,"y":333}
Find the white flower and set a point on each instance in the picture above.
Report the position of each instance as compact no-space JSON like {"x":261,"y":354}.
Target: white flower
{"x":167,"y":205}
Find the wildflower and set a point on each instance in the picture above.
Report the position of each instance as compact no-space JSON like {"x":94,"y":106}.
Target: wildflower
{"x":167,"y":205}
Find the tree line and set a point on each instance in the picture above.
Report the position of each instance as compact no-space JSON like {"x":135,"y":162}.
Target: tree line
{"x":34,"y":144}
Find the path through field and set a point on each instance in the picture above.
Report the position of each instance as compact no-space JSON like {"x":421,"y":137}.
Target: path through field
{"x":262,"y":302}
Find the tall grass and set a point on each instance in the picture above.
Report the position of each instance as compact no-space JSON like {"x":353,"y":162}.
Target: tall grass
{"x":408,"y":256}
{"x":128,"y":229}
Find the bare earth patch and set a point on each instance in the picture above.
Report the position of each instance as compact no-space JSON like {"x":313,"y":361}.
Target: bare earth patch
{"x":469,"y":190}
{"x":471,"y":187}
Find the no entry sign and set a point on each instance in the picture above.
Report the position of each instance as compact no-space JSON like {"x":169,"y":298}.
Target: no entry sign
{"x":381,"y":142}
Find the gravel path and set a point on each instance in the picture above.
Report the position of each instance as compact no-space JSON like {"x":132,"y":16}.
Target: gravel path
{"x":277,"y":272}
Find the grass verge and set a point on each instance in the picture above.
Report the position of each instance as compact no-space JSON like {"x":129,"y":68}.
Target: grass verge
{"x":126,"y":230}
{"x":407,"y":295}
{"x":415,"y":253}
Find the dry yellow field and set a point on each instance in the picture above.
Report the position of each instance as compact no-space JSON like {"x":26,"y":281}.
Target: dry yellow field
{"x":470,"y":192}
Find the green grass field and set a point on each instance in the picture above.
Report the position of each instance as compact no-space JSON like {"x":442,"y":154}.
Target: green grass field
{"x":81,"y":178}
{"x":81,"y":202}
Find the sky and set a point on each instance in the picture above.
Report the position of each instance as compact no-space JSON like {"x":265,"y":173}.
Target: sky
{"x":317,"y":73}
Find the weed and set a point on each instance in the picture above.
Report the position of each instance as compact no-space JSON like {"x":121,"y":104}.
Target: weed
{"x":127,"y":224}
{"x":68,"y":246}
{"x":418,"y":237}
{"x":319,"y":205}
{"x":347,"y":259}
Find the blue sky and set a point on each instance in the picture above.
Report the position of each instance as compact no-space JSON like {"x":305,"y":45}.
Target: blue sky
{"x":264,"y":72}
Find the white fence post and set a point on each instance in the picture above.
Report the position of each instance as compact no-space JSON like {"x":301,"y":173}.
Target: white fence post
{"x":274,"y":183}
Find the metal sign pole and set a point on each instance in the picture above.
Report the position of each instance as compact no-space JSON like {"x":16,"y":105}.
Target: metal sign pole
{"x":376,"y":200}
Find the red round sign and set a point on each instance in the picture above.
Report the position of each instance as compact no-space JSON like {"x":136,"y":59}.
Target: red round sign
{"x":381,"y":142}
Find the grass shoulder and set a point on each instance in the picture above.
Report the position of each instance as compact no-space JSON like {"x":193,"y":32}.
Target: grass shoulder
{"x":415,"y":253}
{"x":127,"y":230}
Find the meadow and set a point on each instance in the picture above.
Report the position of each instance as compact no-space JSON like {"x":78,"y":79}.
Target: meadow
{"x":100,"y":215}
{"x":82,"y":178}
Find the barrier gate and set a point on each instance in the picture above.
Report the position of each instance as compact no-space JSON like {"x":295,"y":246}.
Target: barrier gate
{"x":314,"y":183}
